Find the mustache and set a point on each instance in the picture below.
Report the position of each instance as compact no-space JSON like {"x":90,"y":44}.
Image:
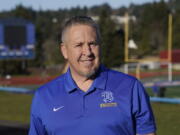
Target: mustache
{"x":87,"y":58}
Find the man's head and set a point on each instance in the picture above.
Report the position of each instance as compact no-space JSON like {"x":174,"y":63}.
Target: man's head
{"x":81,"y":46}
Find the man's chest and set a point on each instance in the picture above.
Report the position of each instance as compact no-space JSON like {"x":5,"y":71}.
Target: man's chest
{"x":96,"y":110}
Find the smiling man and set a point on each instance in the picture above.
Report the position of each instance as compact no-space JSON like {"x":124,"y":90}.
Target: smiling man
{"x":81,"y":47}
{"x":90,"y":99}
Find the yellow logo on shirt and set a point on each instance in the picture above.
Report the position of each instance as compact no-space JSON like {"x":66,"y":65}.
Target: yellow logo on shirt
{"x":113,"y":104}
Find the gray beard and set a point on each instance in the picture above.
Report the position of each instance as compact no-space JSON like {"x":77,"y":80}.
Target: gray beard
{"x":90,"y":75}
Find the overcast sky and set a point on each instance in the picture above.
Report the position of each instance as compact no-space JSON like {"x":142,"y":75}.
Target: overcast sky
{"x":56,"y":4}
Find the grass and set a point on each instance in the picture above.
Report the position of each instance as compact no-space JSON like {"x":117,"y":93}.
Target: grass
{"x":167,"y":118}
{"x":16,"y":108}
{"x":171,"y":92}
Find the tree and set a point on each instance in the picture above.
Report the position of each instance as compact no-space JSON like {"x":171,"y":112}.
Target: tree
{"x":111,"y":52}
{"x":151,"y":30}
{"x":23,"y":12}
{"x":53,"y":57}
{"x":176,"y":29}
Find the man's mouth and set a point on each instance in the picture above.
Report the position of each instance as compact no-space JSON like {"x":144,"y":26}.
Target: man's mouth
{"x":87,"y":61}
{"x":84,"y":60}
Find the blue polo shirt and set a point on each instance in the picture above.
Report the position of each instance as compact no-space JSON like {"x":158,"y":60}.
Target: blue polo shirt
{"x":115,"y":104}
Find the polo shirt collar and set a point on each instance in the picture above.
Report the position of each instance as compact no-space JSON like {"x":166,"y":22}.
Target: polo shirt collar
{"x":99,"y":82}
{"x":101,"y":78}
{"x":69,"y":83}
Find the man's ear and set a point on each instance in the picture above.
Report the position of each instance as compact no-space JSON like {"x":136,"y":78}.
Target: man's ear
{"x":63,"y":50}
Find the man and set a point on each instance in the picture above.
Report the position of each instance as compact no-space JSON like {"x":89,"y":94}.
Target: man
{"x":90,"y":99}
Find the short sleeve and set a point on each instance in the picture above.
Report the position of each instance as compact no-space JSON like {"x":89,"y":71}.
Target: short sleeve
{"x":36,"y":126}
{"x":142,"y":112}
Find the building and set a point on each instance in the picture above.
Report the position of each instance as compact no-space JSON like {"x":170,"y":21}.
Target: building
{"x":175,"y":58}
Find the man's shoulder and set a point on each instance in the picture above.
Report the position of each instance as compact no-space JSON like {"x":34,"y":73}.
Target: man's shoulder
{"x":120,"y":80}
{"x":121,"y":83}
{"x":114,"y":74}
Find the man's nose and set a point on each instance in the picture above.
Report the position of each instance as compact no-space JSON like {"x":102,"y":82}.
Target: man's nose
{"x":87,"y":50}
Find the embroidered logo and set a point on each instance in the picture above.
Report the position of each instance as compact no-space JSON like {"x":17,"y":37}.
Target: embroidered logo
{"x":107,"y":96}
{"x":108,"y":99}
{"x":57,"y":109}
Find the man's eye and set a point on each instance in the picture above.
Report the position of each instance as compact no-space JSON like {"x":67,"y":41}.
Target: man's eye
{"x":93,"y":43}
{"x":78,"y":45}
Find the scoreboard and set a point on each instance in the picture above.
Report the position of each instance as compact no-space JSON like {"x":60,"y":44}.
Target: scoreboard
{"x":17,"y":39}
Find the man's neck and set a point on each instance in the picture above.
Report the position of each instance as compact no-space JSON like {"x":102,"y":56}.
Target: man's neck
{"x":84,"y":86}
{"x":82,"y":82}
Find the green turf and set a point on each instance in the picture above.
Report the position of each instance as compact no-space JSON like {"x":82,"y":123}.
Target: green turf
{"x":167,"y":118}
{"x":171,"y":92}
{"x":16,"y":107}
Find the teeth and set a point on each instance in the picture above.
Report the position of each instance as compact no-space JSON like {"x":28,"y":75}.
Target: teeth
{"x":88,"y":60}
